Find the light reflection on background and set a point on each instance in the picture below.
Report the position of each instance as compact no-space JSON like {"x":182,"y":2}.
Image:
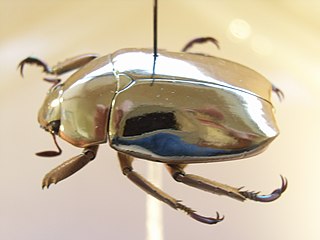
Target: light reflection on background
{"x":239,"y":28}
{"x":279,"y":39}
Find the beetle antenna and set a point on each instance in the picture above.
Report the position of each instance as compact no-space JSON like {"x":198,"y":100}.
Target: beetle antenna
{"x":51,"y":153}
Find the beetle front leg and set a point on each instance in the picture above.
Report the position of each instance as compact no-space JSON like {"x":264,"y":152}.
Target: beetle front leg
{"x":127,"y":169}
{"x":176,"y":170}
{"x":70,"y":166}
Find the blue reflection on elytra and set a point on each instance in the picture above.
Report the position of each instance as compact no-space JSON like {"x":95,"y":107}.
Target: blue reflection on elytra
{"x":166,"y":144}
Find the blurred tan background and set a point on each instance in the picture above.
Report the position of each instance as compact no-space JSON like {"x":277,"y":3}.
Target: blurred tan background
{"x":278,"y":38}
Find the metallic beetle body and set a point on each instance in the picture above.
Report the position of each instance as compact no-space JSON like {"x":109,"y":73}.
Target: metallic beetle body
{"x":191,"y":109}
{"x":175,"y":108}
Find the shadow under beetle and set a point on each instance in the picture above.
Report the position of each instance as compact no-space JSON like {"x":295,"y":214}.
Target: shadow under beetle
{"x":187,"y":108}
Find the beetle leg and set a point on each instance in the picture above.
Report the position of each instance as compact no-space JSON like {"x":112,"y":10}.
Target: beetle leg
{"x":127,"y":169}
{"x":73,"y":63}
{"x":60,"y":68}
{"x":36,"y":61}
{"x":266,"y":198}
{"x":176,"y":170}
{"x":200,"y":40}
{"x":278,"y":91}
{"x":70,"y":166}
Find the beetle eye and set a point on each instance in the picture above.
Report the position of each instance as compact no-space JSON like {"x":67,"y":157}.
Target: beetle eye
{"x":54,"y":126}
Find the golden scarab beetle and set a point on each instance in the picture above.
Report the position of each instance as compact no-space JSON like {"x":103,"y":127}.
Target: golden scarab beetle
{"x":187,"y":108}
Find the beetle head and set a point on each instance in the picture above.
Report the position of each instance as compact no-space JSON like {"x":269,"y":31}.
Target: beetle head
{"x":50,"y":109}
{"x":49,"y":117}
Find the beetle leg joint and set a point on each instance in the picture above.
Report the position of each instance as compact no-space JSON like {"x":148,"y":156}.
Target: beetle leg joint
{"x":178,"y":176}
{"x":89,"y":153}
{"x":127,"y":170}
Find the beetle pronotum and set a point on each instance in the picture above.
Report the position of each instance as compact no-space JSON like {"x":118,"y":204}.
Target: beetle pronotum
{"x":176,"y":108}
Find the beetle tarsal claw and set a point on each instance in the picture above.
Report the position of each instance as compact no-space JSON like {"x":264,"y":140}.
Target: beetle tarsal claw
{"x":266,"y":198}
{"x":36,"y":61}
{"x":47,"y":182}
{"x":207,"y":220}
{"x":278,"y":91}
{"x":194,"y":215}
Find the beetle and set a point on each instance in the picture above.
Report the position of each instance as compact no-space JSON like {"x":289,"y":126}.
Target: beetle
{"x":187,"y":108}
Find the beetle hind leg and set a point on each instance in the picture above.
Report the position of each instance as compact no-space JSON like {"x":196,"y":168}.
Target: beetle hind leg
{"x":127,"y":169}
{"x":176,"y":170}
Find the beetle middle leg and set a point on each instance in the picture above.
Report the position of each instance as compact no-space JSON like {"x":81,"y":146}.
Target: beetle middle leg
{"x":127,"y":169}
{"x":176,"y":170}
{"x":70,"y":166}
